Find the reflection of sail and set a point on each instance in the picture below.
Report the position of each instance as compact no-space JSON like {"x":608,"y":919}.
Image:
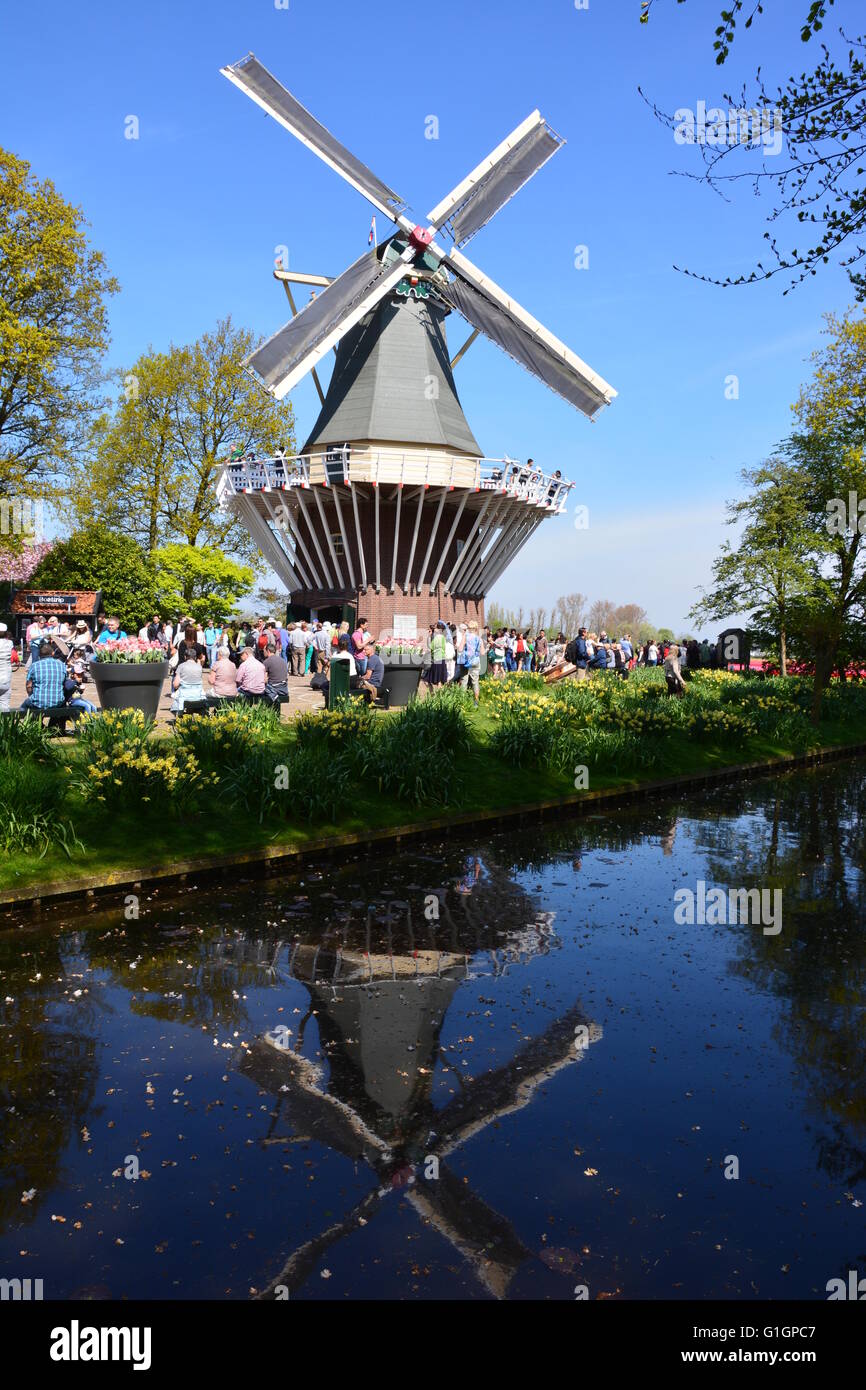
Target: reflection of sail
{"x":391,"y":1007}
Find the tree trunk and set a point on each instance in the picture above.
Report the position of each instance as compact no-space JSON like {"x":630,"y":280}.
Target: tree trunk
{"x":824,"y":662}
{"x":783,"y":649}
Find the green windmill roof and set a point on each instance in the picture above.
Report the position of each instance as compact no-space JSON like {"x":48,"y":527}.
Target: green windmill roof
{"x":392,"y":381}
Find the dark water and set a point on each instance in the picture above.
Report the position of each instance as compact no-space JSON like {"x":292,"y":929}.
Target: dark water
{"x":582,"y":1069}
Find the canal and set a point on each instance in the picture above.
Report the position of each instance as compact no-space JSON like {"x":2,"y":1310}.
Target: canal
{"x":504,"y":1068}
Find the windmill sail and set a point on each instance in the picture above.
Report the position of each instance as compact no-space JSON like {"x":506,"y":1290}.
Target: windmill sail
{"x":496,"y":179}
{"x":506,"y":323}
{"x":299,"y":345}
{"x":253,"y":78}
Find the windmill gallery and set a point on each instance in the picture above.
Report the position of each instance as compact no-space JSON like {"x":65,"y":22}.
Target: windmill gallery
{"x":391,"y":505}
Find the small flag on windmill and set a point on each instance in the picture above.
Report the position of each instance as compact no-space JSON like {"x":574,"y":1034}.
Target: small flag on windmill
{"x":371,"y":239}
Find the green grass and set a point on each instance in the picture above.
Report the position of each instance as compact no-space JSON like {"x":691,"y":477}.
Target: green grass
{"x":125,"y":843}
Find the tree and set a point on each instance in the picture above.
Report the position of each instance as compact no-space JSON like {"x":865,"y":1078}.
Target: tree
{"x":601,"y":615}
{"x":808,"y":518}
{"x":830,"y":449}
{"x":201,"y":583}
{"x":628,"y":617}
{"x":53,"y":329}
{"x":769,"y":567}
{"x":568,"y":612}
{"x":822,"y":115}
{"x":98,"y":559}
{"x":271,"y":600}
{"x":154,"y":463}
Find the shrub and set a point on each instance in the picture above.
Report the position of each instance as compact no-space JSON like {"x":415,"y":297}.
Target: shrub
{"x":23,"y":737}
{"x":310,"y":783}
{"x":352,"y":719}
{"x":30,"y":809}
{"x":418,"y":753}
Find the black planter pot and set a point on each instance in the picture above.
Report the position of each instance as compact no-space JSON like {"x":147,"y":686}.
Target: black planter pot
{"x":130,"y":685}
{"x":401,"y":681}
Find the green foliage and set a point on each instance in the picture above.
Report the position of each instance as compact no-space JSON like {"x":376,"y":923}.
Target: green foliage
{"x":227,"y":734}
{"x":144,"y":781}
{"x":203,"y":583}
{"x":53,"y":328}
{"x":419,"y":755}
{"x":30,"y":808}
{"x":156,"y":458}
{"x":305,"y":783}
{"x":97,"y":558}
{"x":23,"y":737}
{"x":113,"y":731}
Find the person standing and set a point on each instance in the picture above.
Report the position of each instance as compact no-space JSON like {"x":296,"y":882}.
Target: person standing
{"x":470,"y":659}
{"x":33,"y":638}
{"x":298,"y":648}
{"x":5,"y":667}
{"x":211,"y":639}
{"x":438,"y":645}
{"x":112,"y":632}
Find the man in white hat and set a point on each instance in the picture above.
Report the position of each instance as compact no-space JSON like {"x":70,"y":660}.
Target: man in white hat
{"x":5,"y":667}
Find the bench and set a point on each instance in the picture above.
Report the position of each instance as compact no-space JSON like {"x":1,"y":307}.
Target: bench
{"x":57,"y":716}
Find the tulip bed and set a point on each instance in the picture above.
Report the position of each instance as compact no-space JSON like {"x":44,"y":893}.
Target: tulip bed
{"x":124,"y":795}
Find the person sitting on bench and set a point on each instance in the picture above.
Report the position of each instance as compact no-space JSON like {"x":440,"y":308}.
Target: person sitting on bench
{"x":277,"y":672}
{"x":188,"y":687}
{"x":252,"y":676}
{"x":45,"y":682}
{"x":371,"y":680}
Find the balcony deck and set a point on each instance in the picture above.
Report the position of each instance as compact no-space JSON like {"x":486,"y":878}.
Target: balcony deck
{"x":546,"y":491}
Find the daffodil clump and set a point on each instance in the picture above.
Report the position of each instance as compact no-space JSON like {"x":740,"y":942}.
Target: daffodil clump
{"x":145,"y":779}
{"x":113,"y":730}
{"x":351,"y":719}
{"x":227,"y":734}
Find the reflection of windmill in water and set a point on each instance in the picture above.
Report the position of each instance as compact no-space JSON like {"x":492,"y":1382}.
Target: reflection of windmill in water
{"x":380,"y":994}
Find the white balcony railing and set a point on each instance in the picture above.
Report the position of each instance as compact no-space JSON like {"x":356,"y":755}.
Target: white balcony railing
{"x":507,"y":476}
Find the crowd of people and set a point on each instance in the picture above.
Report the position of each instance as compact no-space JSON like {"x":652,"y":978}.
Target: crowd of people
{"x":253,"y":660}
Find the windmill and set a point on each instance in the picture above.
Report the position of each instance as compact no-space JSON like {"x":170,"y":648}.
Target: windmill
{"x":391,"y":506}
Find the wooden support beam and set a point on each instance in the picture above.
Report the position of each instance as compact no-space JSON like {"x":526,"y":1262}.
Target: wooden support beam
{"x":443,"y":494}
{"x":312,"y":530}
{"x":289,"y":296}
{"x":447,"y":544}
{"x":465,"y":348}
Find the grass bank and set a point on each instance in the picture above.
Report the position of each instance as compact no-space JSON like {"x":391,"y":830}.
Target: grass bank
{"x":124,"y":800}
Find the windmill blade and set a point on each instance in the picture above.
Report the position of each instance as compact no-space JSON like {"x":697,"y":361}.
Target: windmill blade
{"x":497,"y":178}
{"x":505,"y":322}
{"x":253,"y":78}
{"x":299,"y":345}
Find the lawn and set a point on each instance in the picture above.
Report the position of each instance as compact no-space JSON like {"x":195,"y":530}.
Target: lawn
{"x":124,"y":799}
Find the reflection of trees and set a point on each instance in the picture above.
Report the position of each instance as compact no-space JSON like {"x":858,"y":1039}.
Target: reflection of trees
{"x":804,"y":833}
{"x":48,"y":1065}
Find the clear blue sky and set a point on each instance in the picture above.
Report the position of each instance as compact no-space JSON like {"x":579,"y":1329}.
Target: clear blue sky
{"x":189,"y":216}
